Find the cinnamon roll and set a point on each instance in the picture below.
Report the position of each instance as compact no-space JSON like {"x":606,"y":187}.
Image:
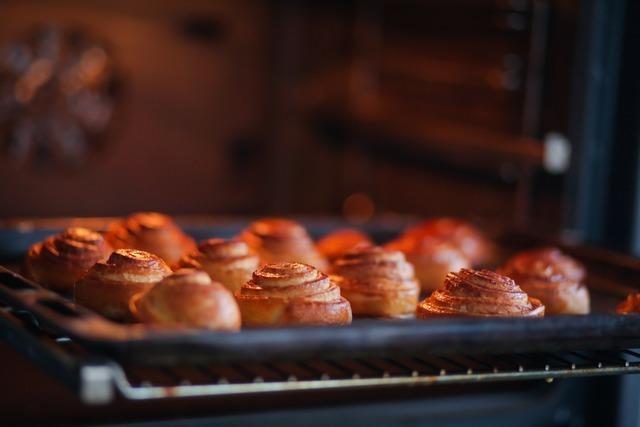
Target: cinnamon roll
{"x":479,"y":293}
{"x":108,"y":286}
{"x":631,"y":305}
{"x":291,"y":294}
{"x":432,"y":259}
{"x":377,"y":282}
{"x":471,"y":241}
{"x":59,"y":261}
{"x":151,"y":232}
{"x":552,"y":277}
{"x":187,"y":298}
{"x":227,"y":261}
{"x":282,"y":240}
{"x":337,"y":243}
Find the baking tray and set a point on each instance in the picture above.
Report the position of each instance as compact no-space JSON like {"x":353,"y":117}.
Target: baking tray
{"x":611,"y":277}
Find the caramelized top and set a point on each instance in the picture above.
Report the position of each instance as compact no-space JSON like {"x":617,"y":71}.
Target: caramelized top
{"x":461,"y":234}
{"x":481,"y":293}
{"x":291,"y":280}
{"x":544,"y":265}
{"x":373,"y":266}
{"x":339,"y":242}
{"x":75,"y":247}
{"x":130,"y":265}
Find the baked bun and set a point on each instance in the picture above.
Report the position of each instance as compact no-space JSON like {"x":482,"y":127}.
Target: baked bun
{"x":187,"y":298}
{"x":479,"y":293}
{"x":282,"y":240}
{"x":552,"y":277}
{"x":631,"y":305}
{"x":108,"y":286}
{"x":432,"y":259}
{"x":227,"y":261}
{"x":471,"y":241}
{"x":151,"y":232}
{"x":292,"y":294}
{"x":377,"y":282}
{"x":59,"y":261}
{"x":337,"y":243}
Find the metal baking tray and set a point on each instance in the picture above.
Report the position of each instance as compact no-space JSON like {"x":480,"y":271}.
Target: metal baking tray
{"x":611,"y":277}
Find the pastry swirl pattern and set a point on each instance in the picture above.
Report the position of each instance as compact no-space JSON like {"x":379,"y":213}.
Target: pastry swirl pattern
{"x":480,"y":293}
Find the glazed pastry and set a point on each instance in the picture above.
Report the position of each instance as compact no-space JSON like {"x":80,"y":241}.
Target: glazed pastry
{"x":631,"y":305}
{"x":377,"y":282}
{"x":552,"y":277}
{"x":291,"y":294}
{"x":227,"y":261}
{"x":151,"y":232}
{"x":59,"y":261}
{"x":282,"y":240}
{"x":432,"y":259}
{"x":190,"y":299}
{"x":471,"y":241}
{"x":335,"y":244}
{"x":108,"y":286}
{"x":479,"y":293}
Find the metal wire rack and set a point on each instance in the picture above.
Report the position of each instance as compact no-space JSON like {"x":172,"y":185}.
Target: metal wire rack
{"x":97,"y":380}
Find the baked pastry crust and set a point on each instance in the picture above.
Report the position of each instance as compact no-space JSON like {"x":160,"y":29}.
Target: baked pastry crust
{"x":631,"y":305}
{"x":377,"y":282}
{"x":151,"y":232}
{"x":471,"y":241}
{"x":108,"y":286}
{"x":432,"y":259}
{"x":339,"y":242}
{"x":229,"y":262}
{"x":282,"y":240}
{"x":292,"y":294}
{"x":187,"y":298}
{"x":552,"y":277}
{"x":59,"y":261}
{"x":479,"y":293}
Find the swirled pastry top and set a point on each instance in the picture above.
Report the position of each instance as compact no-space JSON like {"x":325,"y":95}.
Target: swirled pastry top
{"x":290,"y":280}
{"x":427,"y":248}
{"x":188,"y":298}
{"x":74,"y":248}
{"x":543,"y":265}
{"x":373,"y":267}
{"x":282,"y":240}
{"x":339,"y":242}
{"x":130,"y":265}
{"x":480,"y":293}
{"x":463,"y":235}
{"x":232,"y":253}
{"x":152,"y":232}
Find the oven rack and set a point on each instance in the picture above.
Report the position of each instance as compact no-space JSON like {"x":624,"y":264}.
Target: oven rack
{"x":98,"y":380}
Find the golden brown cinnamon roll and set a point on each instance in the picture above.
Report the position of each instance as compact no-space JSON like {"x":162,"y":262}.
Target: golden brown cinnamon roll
{"x":337,"y":243}
{"x":377,"y":282}
{"x":471,"y":241}
{"x":59,"y":261}
{"x":282,"y":240}
{"x":187,"y":298}
{"x":631,"y":305}
{"x":151,"y":232}
{"x":108,"y":286}
{"x":432,"y":259}
{"x":227,"y":261}
{"x":479,"y":293}
{"x":292,"y":294}
{"x":552,"y":277}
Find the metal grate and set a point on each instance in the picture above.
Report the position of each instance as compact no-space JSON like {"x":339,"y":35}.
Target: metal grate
{"x":141,"y":383}
{"x":97,"y":379}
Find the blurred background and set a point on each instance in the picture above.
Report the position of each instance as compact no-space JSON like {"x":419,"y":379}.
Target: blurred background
{"x":521,"y":112}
